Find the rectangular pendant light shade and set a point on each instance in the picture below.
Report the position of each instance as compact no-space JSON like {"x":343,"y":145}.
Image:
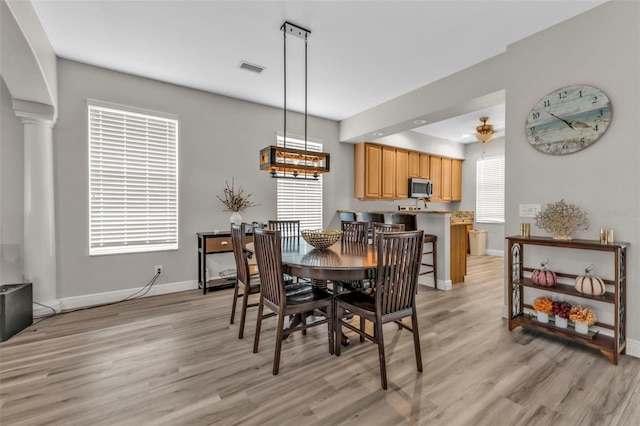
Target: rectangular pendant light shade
{"x":278,"y":159}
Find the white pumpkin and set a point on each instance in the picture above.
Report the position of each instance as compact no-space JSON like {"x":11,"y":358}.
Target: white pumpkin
{"x":589,"y":284}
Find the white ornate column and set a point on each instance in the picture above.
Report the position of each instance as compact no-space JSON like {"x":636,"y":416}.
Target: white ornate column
{"x":39,"y":201}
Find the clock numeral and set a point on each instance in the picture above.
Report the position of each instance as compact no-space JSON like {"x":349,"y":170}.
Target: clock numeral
{"x":580,"y":93}
{"x":594,"y":100}
{"x":537,"y":139}
{"x":600,"y":113}
{"x":582,"y":141}
{"x":563,"y":94}
{"x":595,"y":127}
{"x":535,"y":115}
{"x":547,"y":103}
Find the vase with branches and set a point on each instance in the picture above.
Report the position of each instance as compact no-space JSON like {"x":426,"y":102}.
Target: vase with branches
{"x":235,"y":200}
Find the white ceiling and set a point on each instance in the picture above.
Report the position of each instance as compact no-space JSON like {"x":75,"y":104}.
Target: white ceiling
{"x":361,"y":53}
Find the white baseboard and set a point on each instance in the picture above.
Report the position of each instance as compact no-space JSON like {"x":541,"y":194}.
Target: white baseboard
{"x":45,"y":311}
{"x":76,"y":302}
{"x":442,"y":285}
{"x":505,"y":312}
{"x":633,"y":348}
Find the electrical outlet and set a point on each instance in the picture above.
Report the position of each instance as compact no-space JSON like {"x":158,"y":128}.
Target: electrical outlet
{"x":159,"y":269}
{"x":529,"y":210}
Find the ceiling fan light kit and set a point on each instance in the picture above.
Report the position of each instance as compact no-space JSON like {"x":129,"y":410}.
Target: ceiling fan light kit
{"x":484,"y":132}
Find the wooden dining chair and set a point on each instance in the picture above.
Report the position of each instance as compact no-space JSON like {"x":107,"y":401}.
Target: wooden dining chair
{"x":306,"y":298}
{"x":398,"y":256}
{"x":247,"y":279}
{"x":354,"y":232}
{"x":288,"y":228}
{"x":384,"y":227}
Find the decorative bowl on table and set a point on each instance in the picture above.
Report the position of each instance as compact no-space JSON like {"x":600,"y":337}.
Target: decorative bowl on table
{"x":321,"y":238}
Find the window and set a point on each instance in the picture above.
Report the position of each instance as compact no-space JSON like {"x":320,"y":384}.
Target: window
{"x":300,"y":199}
{"x":490,"y":190}
{"x":133,"y":180}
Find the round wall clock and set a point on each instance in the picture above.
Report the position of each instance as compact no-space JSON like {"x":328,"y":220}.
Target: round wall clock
{"x":568,"y":119}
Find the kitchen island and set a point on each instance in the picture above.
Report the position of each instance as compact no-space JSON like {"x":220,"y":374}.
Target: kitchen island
{"x":450,"y":226}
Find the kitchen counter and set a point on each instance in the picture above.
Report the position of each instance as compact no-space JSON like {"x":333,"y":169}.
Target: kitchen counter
{"x":450,"y":226}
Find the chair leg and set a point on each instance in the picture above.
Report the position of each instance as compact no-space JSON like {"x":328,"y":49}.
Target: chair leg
{"x":337,"y":328}
{"x":383,"y":365}
{"x":303,"y":321}
{"x":362,"y":326}
{"x":243,"y":313}
{"x":435,"y":265}
{"x":256,"y":339}
{"x":416,"y":339}
{"x":235,"y":300}
{"x":279,"y":333}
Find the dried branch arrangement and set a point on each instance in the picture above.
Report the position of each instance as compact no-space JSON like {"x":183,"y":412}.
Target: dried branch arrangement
{"x":580,"y":314}
{"x":562,"y":219}
{"x":543,"y":304}
{"x":234,"y":199}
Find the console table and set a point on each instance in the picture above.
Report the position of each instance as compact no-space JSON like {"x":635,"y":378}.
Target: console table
{"x":211,"y":243}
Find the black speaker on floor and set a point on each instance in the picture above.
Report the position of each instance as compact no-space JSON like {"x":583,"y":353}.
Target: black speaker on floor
{"x":16,"y":309}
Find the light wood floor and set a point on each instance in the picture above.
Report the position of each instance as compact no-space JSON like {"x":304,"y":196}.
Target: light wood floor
{"x":175,"y":360}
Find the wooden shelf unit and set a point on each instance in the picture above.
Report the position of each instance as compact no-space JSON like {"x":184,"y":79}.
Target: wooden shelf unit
{"x":610,"y":346}
{"x":214,"y":242}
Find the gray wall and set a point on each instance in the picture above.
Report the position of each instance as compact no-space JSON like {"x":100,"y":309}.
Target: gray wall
{"x":599,"y":47}
{"x":11,"y":188}
{"x":473,"y":152}
{"x":219,"y":138}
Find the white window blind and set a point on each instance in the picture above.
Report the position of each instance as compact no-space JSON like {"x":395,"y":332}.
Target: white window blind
{"x":133,"y":180}
{"x":300,"y":199}
{"x":490,"y":190}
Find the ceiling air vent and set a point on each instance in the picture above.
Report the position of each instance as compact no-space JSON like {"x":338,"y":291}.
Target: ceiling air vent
{"x":251,"y":67}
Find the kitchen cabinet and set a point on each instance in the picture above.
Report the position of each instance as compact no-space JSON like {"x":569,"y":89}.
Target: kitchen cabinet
{"x":418,"y":165}
{"x":456,"y":180}
{"x":388,"y":172}
{"x":414,"y":164}
{"x":424,"y":165}
{"x":615,"y":300}
{"x":402,"y":173}
{"x":367,"y":171}
{"x":446,"y":179}
{"x":435,"y":169}
{"x":382,"y":172}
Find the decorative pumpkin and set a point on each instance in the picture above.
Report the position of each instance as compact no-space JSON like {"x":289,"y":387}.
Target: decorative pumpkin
{"x":589,"y":284}
{"x":544,"y":277}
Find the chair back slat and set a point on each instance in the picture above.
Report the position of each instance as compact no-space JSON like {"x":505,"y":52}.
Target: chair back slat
{"x":237,"y":241}
{"x":267,"y":244}
{"x":355,"y":232}
{"x":384,"y":227}
{"x":287,"y":228}
{"x":399,"y":257}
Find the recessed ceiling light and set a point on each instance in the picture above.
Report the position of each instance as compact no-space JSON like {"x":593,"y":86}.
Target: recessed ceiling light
{"x":466,"y":135}
{"x":378,"y":134}
{"x":420,"y":121}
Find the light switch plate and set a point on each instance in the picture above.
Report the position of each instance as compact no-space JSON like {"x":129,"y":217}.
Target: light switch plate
{"x":529,"y":210}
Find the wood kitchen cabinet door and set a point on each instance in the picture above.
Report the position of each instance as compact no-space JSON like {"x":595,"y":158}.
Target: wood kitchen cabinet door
{"x":402,"y":173}
{"x":414,"y":164}
{"x":446,"y":179}
{"x":425,"y":160}
{"x":435,"y":170}
{"x":388,"y":172}
{"x":456,"y":180}
{"x":367,"y":171}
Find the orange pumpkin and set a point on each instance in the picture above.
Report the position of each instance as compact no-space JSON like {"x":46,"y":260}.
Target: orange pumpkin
{"x":544,"y":277}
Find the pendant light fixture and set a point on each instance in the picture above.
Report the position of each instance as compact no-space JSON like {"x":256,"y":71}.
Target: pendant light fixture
{"x":484,"y":131}
{"x":292,"y":163}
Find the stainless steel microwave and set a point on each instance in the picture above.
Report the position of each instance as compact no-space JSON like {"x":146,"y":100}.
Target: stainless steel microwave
{"x":420,"y":188}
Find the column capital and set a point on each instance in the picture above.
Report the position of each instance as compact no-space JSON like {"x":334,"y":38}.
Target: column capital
{"x":34,"y":112}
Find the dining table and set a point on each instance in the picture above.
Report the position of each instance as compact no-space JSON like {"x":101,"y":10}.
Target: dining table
{"x":341,"y":262}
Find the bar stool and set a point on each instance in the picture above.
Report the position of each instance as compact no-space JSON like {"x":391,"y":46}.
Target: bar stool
{"x":371,"y":217}
{"x":347,"y":216}
{"x":410,"y":224}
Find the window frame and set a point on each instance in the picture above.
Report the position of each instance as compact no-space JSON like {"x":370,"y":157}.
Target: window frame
{"x":490,"y":199}
{"x":148,"y":197}
{"x":305,"y":187}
